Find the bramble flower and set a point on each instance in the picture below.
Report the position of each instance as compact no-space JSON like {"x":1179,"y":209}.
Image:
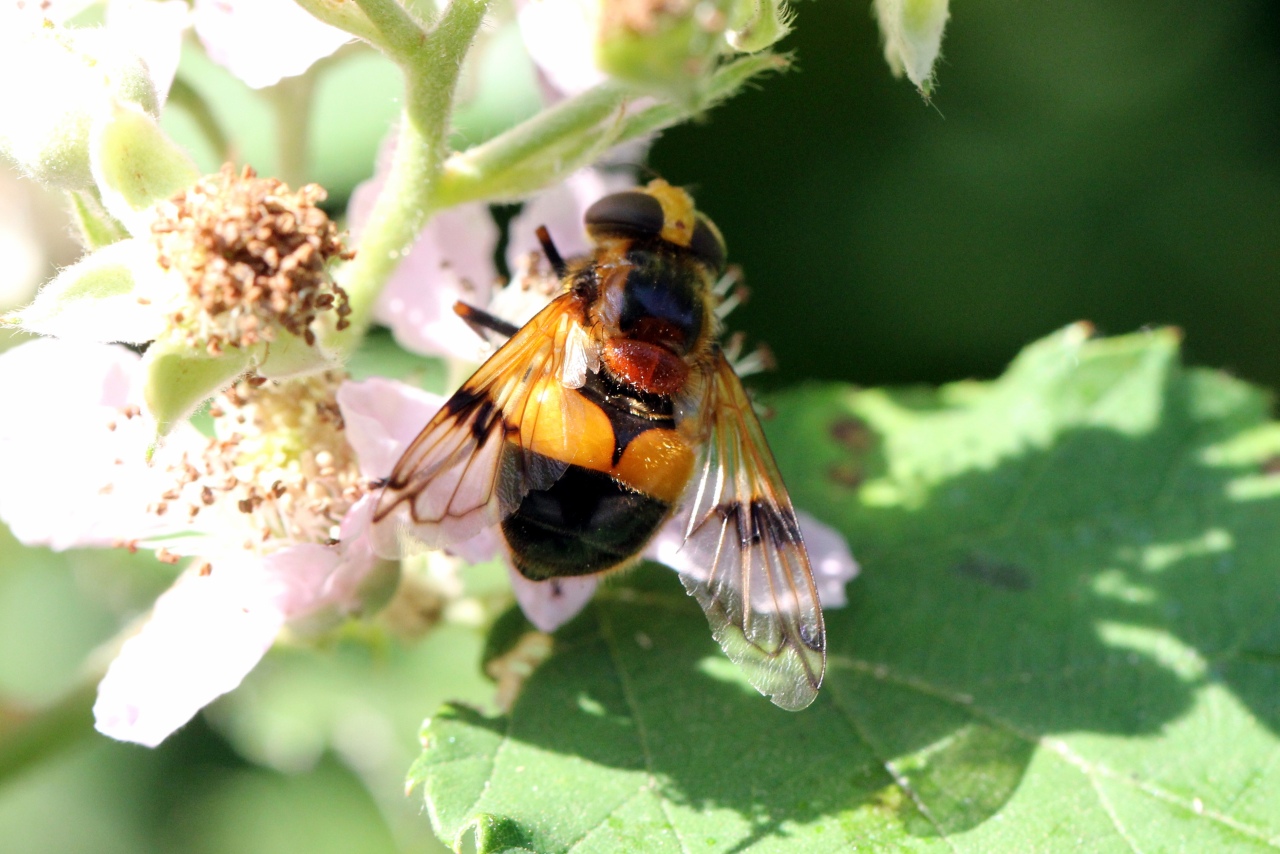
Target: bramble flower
{"x":273,"y":506}
{"x":253,"y":257}
{"x":227,"y":275}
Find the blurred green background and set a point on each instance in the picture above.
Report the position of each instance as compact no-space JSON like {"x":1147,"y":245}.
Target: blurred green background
{"x":1111,"y":161}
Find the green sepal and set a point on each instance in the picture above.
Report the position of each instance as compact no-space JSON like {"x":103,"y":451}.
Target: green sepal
{"x":136,"y":165}
{"x":289,"y":356}
{"x":47,"y":111}
{"x":757,"y":24}
{"x":107,"y":297}
{"x":672,"y":60}
{"x":179,"y":379}
{"x":912,"y":31}
{"x":97,"y":227}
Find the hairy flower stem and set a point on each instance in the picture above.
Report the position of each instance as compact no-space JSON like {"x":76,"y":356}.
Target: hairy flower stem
{"x":28,"y":738}
{"x":291,"y":100}
{"x":431,"y":64}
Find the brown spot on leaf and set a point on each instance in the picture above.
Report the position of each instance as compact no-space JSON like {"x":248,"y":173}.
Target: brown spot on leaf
{"x":845,"y":474}
{"x":994,"y":573}
{"x":853,"y":433}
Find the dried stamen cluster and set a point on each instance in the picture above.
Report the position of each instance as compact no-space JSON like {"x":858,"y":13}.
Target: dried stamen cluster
{"x":279,"y":461}
{"x":254,"y":255}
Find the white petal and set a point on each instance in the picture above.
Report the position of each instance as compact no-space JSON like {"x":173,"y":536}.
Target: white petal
{"x":205,"y":634}
{"x":382,"y":417}
{"x":263,"y":41}
{"x":832,"y":563}
{"x":560,"y":36}
{"x":482,"y":548}
{"x":152,"y":31}
{"x":69,"y":480}
{"x":551,"y":604}
{"x":208,"y":631}
{"x":451,"y":261}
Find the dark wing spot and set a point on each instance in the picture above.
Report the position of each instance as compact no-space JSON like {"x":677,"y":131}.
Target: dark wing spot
{"x":814,"y":641}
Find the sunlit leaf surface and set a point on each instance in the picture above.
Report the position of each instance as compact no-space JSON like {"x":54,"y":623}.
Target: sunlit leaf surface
{"x":1065,"y":637}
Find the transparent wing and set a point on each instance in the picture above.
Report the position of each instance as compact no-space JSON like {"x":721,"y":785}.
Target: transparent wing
{"x":743,"y":557}
{"x":505,"y":432}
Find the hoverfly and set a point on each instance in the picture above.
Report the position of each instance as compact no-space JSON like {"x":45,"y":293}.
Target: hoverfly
{"x":611,"y":412}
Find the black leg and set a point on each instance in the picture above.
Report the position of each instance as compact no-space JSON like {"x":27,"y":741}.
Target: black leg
{"x":479,"y":319}
{"x":552,"y":253}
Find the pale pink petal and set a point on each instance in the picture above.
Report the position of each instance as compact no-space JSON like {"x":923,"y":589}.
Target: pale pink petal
{"x":451,"y":260}
{"x":560,"y":36}
{"x":483,"y":547}
{"x":208,"y":631}
{"x":441,"y":269}
{"x":204,"y":635}
{"x":551,"y":604}
{"x":560,"y":209}
{"x":153,"y":32}
{"x":341,"y":589}
{"x":75,"y":471}
{"x":832,"y":562}
{"x":263,"y":41}
{"x":382,"y":417}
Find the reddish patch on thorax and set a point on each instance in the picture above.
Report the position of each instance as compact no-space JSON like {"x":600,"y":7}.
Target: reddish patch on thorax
{"x":648,"y":367}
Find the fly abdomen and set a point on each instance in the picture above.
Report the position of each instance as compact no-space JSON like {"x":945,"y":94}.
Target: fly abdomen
{"x":587,"y":522}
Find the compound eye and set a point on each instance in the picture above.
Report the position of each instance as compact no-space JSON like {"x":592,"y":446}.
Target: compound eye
{"x":707,"y":244}
{"x":629,"y":214}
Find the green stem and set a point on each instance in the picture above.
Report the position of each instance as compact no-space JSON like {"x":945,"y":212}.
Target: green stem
{"x":185,"y":96}
{"x":727,"y":81}
{"x":400,"y":35}
{"x":28,"y":739}
{"x":291,"y":101}
{"x":409,"y":197}
{"x":533,"y":154}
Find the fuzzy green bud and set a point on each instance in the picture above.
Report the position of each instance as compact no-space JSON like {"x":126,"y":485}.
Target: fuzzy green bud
{"x":912,"y":31}
{"x":56,"y":82}
{"x":672,"y":47}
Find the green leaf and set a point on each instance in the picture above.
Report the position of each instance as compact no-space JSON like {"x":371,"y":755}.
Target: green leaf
{"x":1066,"y":633}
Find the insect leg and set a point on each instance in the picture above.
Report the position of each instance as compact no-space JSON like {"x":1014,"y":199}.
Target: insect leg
{"x":480,"y":320}
{"x":553,"y":254}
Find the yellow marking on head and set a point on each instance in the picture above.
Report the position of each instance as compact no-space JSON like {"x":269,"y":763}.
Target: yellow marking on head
{"x":678,"y":212}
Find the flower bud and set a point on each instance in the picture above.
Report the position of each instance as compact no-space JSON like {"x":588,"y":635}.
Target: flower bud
{"x":135,"y":164}
{"x":666,"y":47}
{"x":56,"y":82}
{"x":912,"y":31}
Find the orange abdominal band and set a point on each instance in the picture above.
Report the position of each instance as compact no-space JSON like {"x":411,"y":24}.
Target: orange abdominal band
{"x":657,"y":462}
